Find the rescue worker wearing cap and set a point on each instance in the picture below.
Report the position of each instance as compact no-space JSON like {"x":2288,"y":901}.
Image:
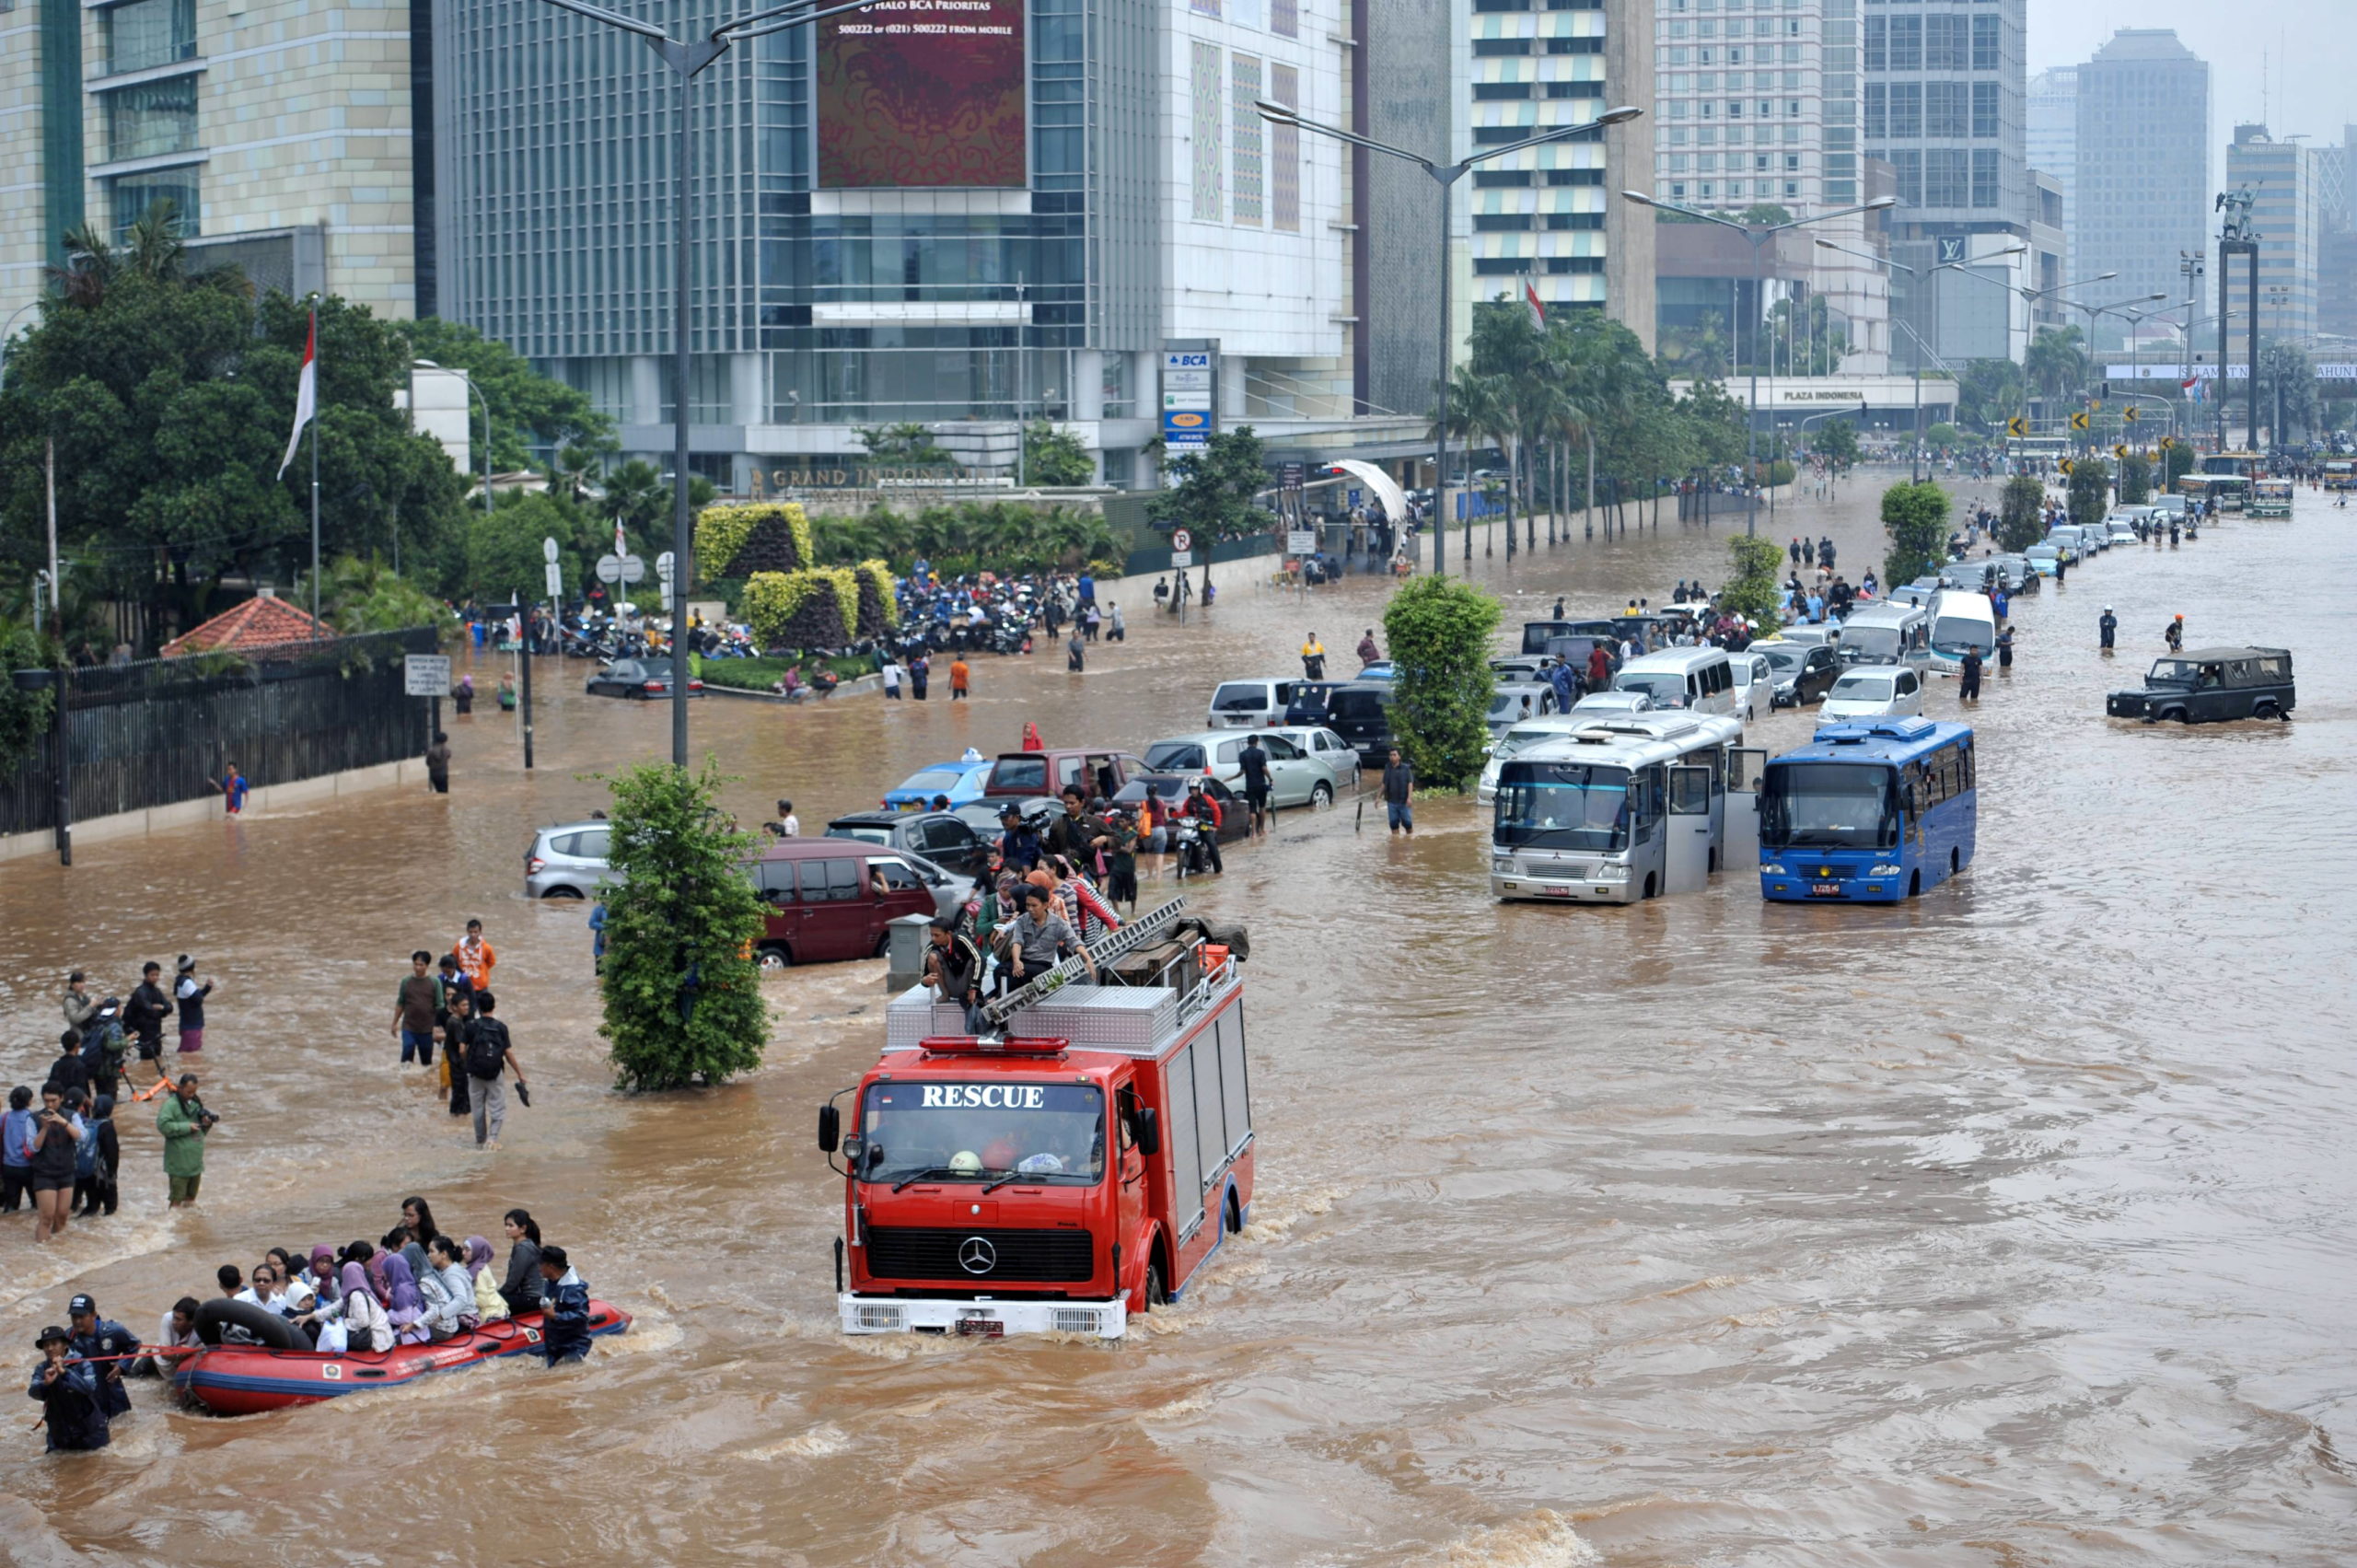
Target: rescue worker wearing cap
{"x":102,"y":1341}
{"x":2175,"y":635}
{"x":2109,"y":625}
{"x":67,"y":1387}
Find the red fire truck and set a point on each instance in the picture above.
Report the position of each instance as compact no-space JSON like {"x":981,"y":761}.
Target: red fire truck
{"x":1077,"y":1164}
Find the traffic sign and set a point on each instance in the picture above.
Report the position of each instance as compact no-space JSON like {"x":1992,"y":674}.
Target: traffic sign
{"x":2167,"y":442}
{"x":2017,"y":425}
{"x":2065,"y":465}
{"x":2095,"y":402}
{"x":663,"y":567}
{"x":548,"y":551}
{"x":556,"y":581}
{"x":2120,"y":451}
{"x":1181,"y":558}
{"x":1181,"y":539}
{"x":2078,"y":421}
{"x":1301,"y":541}
{"x":2128,"y":414}
{"x":427,"y":675}
{"x":621,"y":568}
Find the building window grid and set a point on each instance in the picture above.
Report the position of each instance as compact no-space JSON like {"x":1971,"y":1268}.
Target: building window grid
{"x":1209,"y":159}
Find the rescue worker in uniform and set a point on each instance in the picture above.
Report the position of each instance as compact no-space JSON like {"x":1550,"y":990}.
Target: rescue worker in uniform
{"x":1970,"y":690}
{"x":102,"y":1342}
{"x":67,"y":1387}
{"x":2109,"y":625}
{"x":2005,"y":651}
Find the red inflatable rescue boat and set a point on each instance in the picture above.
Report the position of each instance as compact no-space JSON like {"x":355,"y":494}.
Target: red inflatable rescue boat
{"x":246,"y":1379}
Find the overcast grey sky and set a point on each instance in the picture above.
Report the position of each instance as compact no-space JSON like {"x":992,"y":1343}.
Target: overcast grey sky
{"x":2297,"y":56}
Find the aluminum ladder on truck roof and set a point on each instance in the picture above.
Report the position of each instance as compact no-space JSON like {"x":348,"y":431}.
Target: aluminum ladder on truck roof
{"x":1153,"y":925}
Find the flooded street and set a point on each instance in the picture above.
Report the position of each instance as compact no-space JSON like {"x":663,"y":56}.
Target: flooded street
{"x":2005,"y":1226}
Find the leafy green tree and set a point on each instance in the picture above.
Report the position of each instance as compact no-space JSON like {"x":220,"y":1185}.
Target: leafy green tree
{"x":357,"y":596}
{"x":1055,"y":456}
{"x":1752,"y":592}
{"x":1438,"y":631}
{"x":683,"y":995}
{"x":2021,"y":519}
{"x":1990,"y":391}
{"x":169,"y":397}
{"x":2176,"y":463}
{"x":2090,"y":490}
{"x":1836,"y":439}
{"x":25,"y":716}
{"x":529,"y":414}
{"x":1943,"y":435}
{"x":2057,"y":363}
{"x":1211,"y":495}
{"x":635,"y":496}
{"x":2135,"y":479}
{"x":1916,"y":518}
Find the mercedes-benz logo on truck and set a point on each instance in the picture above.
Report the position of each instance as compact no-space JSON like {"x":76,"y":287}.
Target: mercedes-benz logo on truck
{"x":977,"y":1256}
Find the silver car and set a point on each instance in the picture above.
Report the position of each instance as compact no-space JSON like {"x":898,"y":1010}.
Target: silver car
{"x":567,"y":861}
{"x":1295,"y":777}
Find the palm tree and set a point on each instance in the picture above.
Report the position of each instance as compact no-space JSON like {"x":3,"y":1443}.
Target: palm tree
{"x":637,"y":496}
{"x":1480,"y":407}
{"x":2056,"y":363}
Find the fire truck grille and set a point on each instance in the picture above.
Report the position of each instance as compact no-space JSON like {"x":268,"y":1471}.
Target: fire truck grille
{"x":1028,"y":1257}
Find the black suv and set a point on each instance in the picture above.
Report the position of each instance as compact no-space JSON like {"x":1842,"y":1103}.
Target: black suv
{"x":943,"y":837}
{"x":1360,"y":713}
{"x":2211,"y":684}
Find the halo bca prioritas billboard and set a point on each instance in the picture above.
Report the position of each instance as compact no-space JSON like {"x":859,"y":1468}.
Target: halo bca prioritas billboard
{"x":923,"y":93}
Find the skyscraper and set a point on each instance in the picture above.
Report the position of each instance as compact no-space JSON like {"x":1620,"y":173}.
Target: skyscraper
{"x":2050,"y":140}
{"x":2281,"y":176}
{"x":287,"y":138}
{"x":2143,"y":156}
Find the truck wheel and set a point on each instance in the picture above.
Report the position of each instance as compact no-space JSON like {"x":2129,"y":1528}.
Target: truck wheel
{"x":2267,"y":710}
{"x":1156,"y":1296}
{"x":773,"y":957}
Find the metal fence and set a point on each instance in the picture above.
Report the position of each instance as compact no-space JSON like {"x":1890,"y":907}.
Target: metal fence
{"x":160,"y":731}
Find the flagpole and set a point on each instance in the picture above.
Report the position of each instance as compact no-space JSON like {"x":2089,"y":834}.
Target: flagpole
{"x":314,"y":466}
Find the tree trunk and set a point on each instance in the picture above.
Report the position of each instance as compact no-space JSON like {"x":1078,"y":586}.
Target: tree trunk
{"x":1587,"y":512}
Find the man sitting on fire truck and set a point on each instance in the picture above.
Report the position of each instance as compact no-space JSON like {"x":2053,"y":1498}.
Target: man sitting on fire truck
{"x":1039,"y":939}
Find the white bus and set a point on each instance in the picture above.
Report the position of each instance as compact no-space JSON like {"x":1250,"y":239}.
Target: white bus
{"x":1618,"y":812}
{"x":1961,"y":620}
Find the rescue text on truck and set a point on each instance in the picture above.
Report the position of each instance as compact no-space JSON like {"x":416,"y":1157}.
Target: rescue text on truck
{"x":1077,"y":1167}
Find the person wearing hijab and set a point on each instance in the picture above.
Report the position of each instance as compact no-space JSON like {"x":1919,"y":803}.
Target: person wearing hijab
{"x":367,"y":1327}
{"x":323,"y":1274}
{"x":403,"y":1302}
{"x":488,"y":1303}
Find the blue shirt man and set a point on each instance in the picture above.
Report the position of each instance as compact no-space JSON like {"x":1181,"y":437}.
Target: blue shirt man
{"x":1087,"y":589}
{"x":97,"y":1340}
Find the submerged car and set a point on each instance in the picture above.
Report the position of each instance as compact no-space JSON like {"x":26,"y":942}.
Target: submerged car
{"x":2208,"y":685}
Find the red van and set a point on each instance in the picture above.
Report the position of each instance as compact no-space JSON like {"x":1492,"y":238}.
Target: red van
{"x":1097,"y":770}
{"x":831,"y":898}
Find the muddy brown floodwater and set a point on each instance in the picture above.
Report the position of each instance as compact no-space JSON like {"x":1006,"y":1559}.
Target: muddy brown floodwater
{"x":2010,"y":1226}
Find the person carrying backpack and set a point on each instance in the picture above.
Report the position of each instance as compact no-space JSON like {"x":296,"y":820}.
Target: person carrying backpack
{"x":489,"y":1053}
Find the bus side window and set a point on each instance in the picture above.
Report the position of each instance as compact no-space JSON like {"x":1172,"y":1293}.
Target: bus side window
{"x":1970,"y":768}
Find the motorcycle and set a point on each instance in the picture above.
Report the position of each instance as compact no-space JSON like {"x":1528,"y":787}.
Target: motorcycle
{"x":1188,"y":849}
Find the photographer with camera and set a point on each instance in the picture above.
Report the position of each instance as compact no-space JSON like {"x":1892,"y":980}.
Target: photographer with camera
{"x":184,"y":1121}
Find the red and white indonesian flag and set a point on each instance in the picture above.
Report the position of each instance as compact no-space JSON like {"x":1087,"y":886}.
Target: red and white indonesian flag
{"x":1537,"y":306}
{"x":307,"y":396}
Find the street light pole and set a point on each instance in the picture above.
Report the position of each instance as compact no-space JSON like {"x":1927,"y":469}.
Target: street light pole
{"x":686,"y":61}
{"x":1445,"y":176}
{"x":1759,"y":234}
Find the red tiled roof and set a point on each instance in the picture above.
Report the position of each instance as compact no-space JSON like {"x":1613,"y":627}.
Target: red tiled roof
{"x":257,"y":623}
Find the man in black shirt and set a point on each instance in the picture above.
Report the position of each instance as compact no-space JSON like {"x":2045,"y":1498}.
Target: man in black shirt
{"x":953,"y":967}
{"x":70,"y":1071}
{"x":1254,"y":760}
{"x":145,"y":1013}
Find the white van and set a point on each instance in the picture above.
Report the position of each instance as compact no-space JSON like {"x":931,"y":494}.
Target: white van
{"x":1879,"y":631}
{"x":1961,"y":620}
{"x":1250,"y":705}
{"x":1753,"y":683}
{"x":1698,"y":679}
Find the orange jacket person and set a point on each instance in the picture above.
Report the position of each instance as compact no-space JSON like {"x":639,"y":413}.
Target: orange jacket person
{"x":958,"y":675}
{"x":475,"y":956}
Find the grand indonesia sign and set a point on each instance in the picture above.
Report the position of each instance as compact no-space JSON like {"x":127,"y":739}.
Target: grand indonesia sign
{"x":871,"y":476}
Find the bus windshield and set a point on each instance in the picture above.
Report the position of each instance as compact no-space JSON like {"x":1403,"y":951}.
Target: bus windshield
{"x":1563,"y":805}
{"x":1953,"y":633}
{"x":931,"y":1131}
{"x":1829,"y":805}
{"x":1874,"y":645}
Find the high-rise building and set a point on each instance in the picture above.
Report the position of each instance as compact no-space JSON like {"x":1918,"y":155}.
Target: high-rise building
{"x":1008,"y":215}
{"x":1553,"y":217}
{"x":2282,"y":179}
{"x":2144,"y":145}
{"x":1743,"y":92}
{"x":2050,"y":137}
{"x":287,"y":137}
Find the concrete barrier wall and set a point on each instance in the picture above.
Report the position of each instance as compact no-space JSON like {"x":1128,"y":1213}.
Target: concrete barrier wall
{"x":189,"y":813}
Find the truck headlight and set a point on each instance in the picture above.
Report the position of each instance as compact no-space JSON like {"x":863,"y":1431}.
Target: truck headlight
{"x":1772,"y":870}
{"x":1611,"y":874}
{"x":1502,"y":867}
{"x":1883,"y":871}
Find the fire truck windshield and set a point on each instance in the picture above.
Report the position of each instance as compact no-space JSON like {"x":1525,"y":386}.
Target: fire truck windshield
{"x":991,"y":1131}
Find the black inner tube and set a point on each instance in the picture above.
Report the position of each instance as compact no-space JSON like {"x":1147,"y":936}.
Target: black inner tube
{"x":260,"y":1326}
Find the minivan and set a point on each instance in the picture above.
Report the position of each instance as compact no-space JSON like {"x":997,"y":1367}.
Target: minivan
{"x":1250,"y":705}
{"x":824,"y":899}
{"x":1698,"y":679}
{"x":1882,"y":632}
{"x":1017,"y":775}
{"x":1537,"y":634}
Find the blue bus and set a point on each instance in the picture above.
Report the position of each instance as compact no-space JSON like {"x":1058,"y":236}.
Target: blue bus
{"x":1871,"y":812}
